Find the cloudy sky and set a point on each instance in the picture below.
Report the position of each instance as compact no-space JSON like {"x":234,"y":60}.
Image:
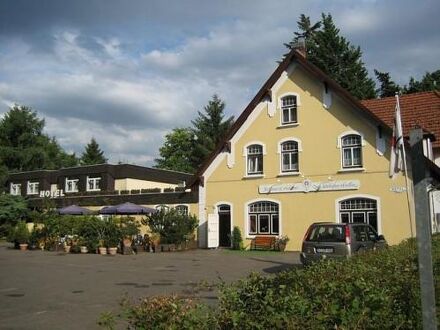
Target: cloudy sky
{"x":127,"y":72}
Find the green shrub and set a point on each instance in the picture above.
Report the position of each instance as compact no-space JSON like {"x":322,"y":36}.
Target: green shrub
{"x":172,"y":226}
{"x":20,"y":234}
{"x":162,"y":312}
{"x":236,"y":239}
{"x":12,"y":210}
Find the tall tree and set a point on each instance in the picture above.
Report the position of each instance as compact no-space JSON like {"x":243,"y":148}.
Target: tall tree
{"x":429,"y":82}
{"x":92,"y":154}
{"x":333,"y":54}
{"x":185,"y":149}
{"x":210,"y":127}
{"x":25,"y":147}
{"x":176,"y":152}
{"x":387,"y":86}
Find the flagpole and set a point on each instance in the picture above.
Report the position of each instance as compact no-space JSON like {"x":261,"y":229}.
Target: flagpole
{"x":406,"y":171}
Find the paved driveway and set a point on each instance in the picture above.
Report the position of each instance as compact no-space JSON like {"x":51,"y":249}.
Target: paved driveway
{"x":49,"y":290}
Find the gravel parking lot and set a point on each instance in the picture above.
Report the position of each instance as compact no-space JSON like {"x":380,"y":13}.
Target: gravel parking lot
{"x":50,"y":290}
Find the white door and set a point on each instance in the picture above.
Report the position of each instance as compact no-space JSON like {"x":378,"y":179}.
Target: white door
{"x":213,"y":224}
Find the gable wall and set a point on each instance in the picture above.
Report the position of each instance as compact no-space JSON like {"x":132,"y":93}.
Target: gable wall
{"x":320,"y":161}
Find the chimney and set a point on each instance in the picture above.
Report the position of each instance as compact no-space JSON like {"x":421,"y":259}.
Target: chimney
{"x":300,"y":46}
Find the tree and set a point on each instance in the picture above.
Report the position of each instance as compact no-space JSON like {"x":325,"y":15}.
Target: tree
{"x":92,"y":154}
{"x":429,"y":82}
{"x":185,"y":149}
{"x":176,"y":152}
{"x":25,"y":147}
{"x":209,"y":129}
{"x":387,"y":86}
{"x":333,"y":54}
{"x":12,"y":210}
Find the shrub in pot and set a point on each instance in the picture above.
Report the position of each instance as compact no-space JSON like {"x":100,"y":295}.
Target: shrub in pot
{"x":129,"y":228}
{"x":281,"y":242}
{"x":22,"y":235}
{"x":236,"y":239}
{"x":112,"y":236}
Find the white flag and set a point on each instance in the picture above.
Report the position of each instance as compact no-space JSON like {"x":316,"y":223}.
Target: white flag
{"x":396,"y":159}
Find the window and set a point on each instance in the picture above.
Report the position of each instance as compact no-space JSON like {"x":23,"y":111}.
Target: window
{"x":32,"y":188}
{"x":263,"y":218}
{"x":351,"y":151}
{"x":359,"y":210}
{"x":162,"y":207}
{"x":289,"y":156}
{"x":254,"y":159}
{"x":288,"y":110}
{"x":93,"y":184}
{"x":15,"y":189}
{"x":71,"y":185}
{"x":182,"y":209}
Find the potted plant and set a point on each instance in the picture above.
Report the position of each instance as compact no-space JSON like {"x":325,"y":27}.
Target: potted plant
{"x":67,"y":244}
{"x":83,"y":245}
{"x":21,"y":235}
{"x":281,"y":242}
{"x":112,"y":237}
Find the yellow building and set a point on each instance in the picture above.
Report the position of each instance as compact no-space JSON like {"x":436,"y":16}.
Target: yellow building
{"x":304,"y":150}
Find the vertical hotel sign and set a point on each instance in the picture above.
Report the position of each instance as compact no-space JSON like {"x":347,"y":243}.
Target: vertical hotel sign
{"x":308,"y":186}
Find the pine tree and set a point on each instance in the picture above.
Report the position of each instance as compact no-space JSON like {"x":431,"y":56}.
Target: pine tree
{"x":430,"y":82}
{"x":333,"y":54}
{"x":387,"y":86}
{"x":209,"y":129}
{"x":92,"y":154}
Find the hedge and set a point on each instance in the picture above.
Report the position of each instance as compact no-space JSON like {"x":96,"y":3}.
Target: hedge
{"x":374,"y":290}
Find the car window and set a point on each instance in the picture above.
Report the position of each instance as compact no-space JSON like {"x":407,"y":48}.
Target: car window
{"x":360,"y":233}
{"x":327,"y":233}
{"x":372,"y":235}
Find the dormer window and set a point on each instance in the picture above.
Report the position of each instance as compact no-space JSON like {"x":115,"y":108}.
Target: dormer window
{"x":15,"y":189}
{"x":32,"y":188}
{"x":289,"y":113}
{"x":93,"y":184}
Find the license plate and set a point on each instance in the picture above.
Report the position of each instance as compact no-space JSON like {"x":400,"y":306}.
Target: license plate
{"x":324,"y":250}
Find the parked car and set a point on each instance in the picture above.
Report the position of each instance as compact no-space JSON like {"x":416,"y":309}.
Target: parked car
{"x":338,"y":240}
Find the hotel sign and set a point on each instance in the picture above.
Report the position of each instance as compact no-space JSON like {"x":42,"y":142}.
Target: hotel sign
{"x":308,"y":186}
{"x":52,"y":193}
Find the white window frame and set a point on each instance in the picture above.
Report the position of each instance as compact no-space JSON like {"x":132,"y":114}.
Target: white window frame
{"x":94,"y":179}
{"x":33,"y":187}
{"x":247,"y":214}
{"x":181,"y":206}
{"x":340,"y":146}
{"x":13,"y":189}
{"x":281,"y":109}
{"x":164,"y":207}
{"x":280,"y":152}
{"x":66,"y":185}
{"x":246,"y":155}
{"x":378,"y":208}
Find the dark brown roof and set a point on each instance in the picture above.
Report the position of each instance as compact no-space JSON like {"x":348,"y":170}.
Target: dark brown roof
{"x":418,"y":109}
{"x":265,"y":92}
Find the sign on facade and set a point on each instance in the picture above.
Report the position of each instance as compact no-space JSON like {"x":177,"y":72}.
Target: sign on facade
{"x":308,"y":186}
{"x":52,"y":193}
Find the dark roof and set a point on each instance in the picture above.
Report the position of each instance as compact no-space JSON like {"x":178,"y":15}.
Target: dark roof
{"x":119,"y":171}
{"x":265,"y":92}
{"x":418,"y":109}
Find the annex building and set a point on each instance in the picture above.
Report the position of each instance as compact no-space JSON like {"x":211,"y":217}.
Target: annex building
{"x":96,"y":186}
{"x":303,"y":150}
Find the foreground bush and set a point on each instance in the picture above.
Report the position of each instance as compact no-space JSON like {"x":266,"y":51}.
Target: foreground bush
{"x":375,"y":290}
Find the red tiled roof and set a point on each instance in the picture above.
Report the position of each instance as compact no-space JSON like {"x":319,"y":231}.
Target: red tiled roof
{"x":418,"y":109}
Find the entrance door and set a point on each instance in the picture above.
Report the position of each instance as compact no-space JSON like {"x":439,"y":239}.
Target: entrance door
{"x":224,"y":214}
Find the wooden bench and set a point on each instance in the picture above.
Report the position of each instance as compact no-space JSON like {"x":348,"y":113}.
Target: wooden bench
{"x":263,"y":243}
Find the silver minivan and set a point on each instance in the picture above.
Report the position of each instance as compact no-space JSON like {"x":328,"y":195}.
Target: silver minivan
{"x":338,"y":240}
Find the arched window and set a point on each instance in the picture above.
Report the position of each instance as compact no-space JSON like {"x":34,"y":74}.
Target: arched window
{"x":351,"y":148}
{"x":182,"y":209}
{"x":289,"y":157}
{"x":263,"y":218}
{"x":363,"y":210}
{"x":289,"y":110}
{"x":254,"y":155}
{"x":162,"y":207}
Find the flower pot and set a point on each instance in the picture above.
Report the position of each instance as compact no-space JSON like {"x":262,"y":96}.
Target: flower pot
{"x":84,"y":249}
{"x":23,"y":247}
{"x":281,"y":247}
{"x":112,"y":251}
{"x":102,"y":250}
{"x":67,"y":248}
{"x":126,"y":242}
